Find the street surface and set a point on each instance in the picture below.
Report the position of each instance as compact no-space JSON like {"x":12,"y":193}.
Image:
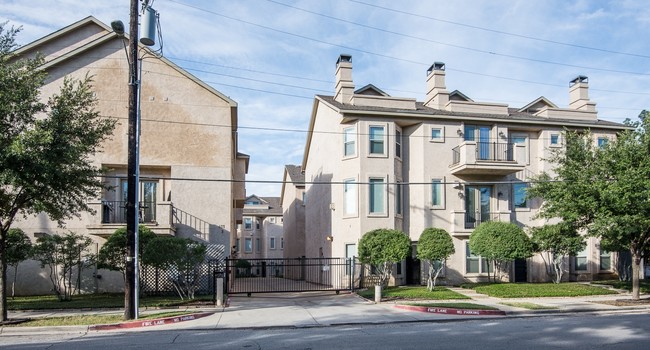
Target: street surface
{"x":579,"y":331}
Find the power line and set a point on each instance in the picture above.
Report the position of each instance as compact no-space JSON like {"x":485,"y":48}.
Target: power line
{"x":459,"y":46}
{"x":500,"y":31}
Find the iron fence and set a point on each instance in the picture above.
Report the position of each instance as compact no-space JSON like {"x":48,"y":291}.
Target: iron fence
{"x":114,"y":212}
{"x":494,"y":151}
{"x":247,"y":276}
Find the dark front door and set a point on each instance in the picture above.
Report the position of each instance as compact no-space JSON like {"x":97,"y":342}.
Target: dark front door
{"x":521,"y":271}
{"x":413,"y":268}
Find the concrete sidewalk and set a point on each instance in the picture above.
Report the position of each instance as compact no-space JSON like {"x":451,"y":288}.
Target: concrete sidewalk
{"x":317,"y":309}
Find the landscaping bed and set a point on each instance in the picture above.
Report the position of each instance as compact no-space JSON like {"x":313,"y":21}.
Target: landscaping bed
{"x":412,"y":293}
{"x":99,"y":301}
{"x":538,"y":290}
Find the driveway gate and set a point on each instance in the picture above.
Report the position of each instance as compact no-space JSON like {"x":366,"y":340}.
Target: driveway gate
{"x":291,"y":275}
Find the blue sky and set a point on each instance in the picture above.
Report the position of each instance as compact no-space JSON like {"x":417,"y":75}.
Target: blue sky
{"x":273,"y":56}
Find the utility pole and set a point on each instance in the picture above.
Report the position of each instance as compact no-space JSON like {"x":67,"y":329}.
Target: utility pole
{"x":130,"y":290}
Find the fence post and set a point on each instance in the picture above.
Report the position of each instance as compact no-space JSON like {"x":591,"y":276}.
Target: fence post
{"x":352,"y":274}
{"x":219,"y":291}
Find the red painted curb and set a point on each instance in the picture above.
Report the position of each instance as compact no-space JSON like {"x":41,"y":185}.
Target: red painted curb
{"x":149,"y":323}
{"x":451,"y":311}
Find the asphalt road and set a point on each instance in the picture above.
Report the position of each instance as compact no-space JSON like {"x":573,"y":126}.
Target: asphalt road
{"x":582,"y":331}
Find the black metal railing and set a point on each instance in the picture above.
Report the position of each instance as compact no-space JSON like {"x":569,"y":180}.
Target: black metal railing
{"x":181,"y":217}
{"x":455,"y":155}
{"x":473,"y":219}
{"x":247,"y":276}
{"x":494,"y":151}
{"x":114,"y":212}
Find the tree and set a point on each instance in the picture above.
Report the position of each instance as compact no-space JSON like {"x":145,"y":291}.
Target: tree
{"x":435,"y":246}
{"x":500,"y":243}
{"x":44,"y":147}
{"x":604,"y":190}
{"x":554,"y":243}
{"x":19,"y":249}
{"x":381,"y":248}
{"x":62,"y":254}
{"x":181,"y":257}
{"x":112,"y":255}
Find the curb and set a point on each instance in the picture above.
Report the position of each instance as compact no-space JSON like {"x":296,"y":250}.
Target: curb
{"x":149,"y":323}
{"x":451,"y":311}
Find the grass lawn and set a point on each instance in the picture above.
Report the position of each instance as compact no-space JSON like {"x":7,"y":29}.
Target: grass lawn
{"x":439,"y":293}
{"x":467,"y":306}
{"x":644,"y":285}
{"x":85,"y":320}
{"x":94,"y":301}
{"x":536,"y":290}
{"x":529,"y":306}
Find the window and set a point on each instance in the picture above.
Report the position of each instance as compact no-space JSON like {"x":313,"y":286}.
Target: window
{"x":257,"y":224}
{"x":272,"y":243}
{"x":605,"y":260}
{"x":518,"y":139}
{"x":258,"y":245}
{"x":248,"y":224}
{"x":350,"y":197}
{"x":437,"y":134}
{"x":437,"y":193}
{"x":349,"y":142}
{"x":470,"y":133}
{"x":282,"y":243}
{"x":399,"y":205}
{"x":555,"y":139}
{"x":237,"y":245}
{"x":376,"y":196}
{"x":398,"y":143}
{"x":519,"y":195}
{"x":581,"y":260}
{"x":147,"y":194}
{"x":272,"y":219}
{"x":602,"y":142}
{"x":474,"y":263}
{"x":376,"y":140}
{"x":248,"y":245}
{"x":304,"y":198}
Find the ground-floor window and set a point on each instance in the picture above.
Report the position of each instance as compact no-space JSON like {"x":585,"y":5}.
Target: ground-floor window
{"x":581,"y":260}
{"x":474,"y":263}
{"x":605,"y":260}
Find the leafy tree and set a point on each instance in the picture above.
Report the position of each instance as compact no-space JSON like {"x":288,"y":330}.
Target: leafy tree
{"x":181,"y":257}
{"x":604,"y":190}
{"x":19,"y":249}
{"x":500,"y":243}
{"x":44,"y":147}
{"x":382,"y":248}
{"x":435,"y":246}
{"x":554,"y":243}
{"x":62,"y":254}
{"x":112,"y":255}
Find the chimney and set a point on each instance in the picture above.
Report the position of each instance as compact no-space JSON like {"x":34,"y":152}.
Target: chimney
{"x":437,"y":94}
{"x":579,"y":95}
{"x":344,"y":84}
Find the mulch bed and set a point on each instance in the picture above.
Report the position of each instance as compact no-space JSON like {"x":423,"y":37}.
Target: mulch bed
{"x":625,"y":302}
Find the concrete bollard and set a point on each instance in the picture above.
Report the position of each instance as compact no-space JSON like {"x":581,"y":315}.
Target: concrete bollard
{"x":219,"y":291}
{"x":377,"y":294}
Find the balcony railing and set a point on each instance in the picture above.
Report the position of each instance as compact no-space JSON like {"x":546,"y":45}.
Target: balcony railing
{"x":494,"y":151}
{"x":114,"y":212}
{"x":455,"y":155}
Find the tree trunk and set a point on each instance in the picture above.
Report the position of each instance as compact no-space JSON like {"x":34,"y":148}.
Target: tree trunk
{"x":13,"y":283}
{"x":636,"y":267}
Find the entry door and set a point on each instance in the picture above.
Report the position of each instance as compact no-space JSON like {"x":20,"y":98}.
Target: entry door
{"x":477,"y":205}
{"x":147,"y":199}
{"x":484,"y":142}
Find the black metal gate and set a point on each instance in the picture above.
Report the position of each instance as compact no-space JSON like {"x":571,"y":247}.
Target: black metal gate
{"x":247,"y":276}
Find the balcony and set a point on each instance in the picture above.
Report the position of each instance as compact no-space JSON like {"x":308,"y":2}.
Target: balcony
{"x":463,"y":222}
{"x":486,"y":158}
{"x":111,"y":215}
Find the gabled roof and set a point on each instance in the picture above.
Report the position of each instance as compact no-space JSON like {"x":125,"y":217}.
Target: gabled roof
{"x":254,"y":197}
{"x":295,"y":174}
{"x":272,"y":207}
{"x":457,"y":95}
{"x":110,"y":35}
{"x":537,"y":104}
{"x":371,"y":90}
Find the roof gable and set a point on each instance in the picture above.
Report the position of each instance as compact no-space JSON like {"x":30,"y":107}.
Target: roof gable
{"x":459,"y":96}
{"x":371,"y":90}
{"x":537,"y":105}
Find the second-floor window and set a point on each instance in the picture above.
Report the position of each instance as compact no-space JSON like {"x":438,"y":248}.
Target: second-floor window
{"x":555,"y":140}
{"x":377,"y":136}
{"x":399,"y":205}
{"x":248,"y":224}
{"x":376,"y":196}
{"x":349,"y":142}
{"x":398,"y":143}
{"x":350,"y":197}
{"x":437,"y":134}
{"x":272,"y":243}
{"x":437,"y":193}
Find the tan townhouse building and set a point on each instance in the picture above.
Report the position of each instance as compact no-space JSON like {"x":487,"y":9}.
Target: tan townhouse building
{"x":376,"y":161}
{"x":292,"y":198}
{"x":191,"y":173}
{"x":261,"y":234}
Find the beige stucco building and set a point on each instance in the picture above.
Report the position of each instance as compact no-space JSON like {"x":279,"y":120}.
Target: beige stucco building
{"x":191,"y":173}
{"x":292,"y":198}
{"x":261,"y":234}
{"x":448,"y":162}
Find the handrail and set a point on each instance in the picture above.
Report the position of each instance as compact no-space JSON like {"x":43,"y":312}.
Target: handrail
{"x":182,"y":217}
